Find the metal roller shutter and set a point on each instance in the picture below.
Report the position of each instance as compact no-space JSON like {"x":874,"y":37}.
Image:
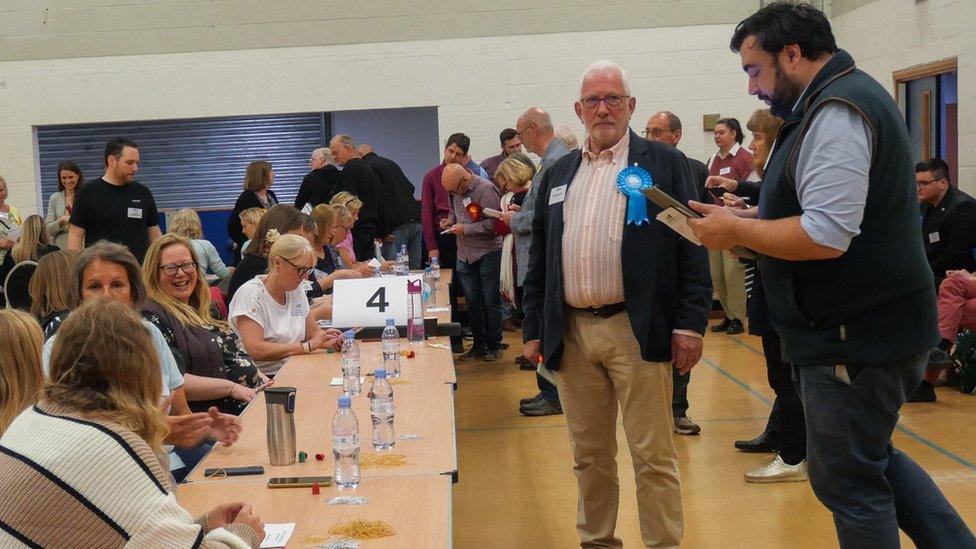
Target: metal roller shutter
{"x":196,"y":163}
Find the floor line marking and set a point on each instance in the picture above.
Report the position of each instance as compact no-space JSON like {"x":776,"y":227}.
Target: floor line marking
{"x":911,"y":434}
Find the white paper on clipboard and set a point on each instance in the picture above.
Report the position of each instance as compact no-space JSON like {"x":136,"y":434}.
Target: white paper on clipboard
{"x":678,"y":219}
{"x":679,"y":223}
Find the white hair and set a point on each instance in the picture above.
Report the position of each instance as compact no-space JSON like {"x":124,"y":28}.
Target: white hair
{"x":565,"y":134}
{"x":325,"y":154}
{"x":602,"y":67}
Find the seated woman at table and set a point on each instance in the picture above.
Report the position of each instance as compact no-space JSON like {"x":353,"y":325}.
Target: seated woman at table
{"x":52,"y":297}
{"x":216,"y":370}
{"x":352,"y":205}
{"x":271,"y":313}
{"x":109,"y":270}
{"x":21,"y":377}
{"x":341,"y":233}
{"x":328,"y":267}
{"x":94,"y":438}
{"x":186,"y":223}
{"x":283,"y":219}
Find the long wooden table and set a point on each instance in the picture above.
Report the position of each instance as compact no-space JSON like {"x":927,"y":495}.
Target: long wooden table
{"x":418,"y":507}
{"x":414,"y":498}
{"x":430,"y":364}
{"x":426,"y":410}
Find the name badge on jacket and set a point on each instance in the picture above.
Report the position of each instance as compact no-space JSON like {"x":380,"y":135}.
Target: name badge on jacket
{"x":557,"y":195}
{"x":135,"y":213}
{"x":934,"y":237}
{"x":724,"y":171}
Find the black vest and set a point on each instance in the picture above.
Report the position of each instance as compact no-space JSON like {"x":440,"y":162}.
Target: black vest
{"x":876,"y":302}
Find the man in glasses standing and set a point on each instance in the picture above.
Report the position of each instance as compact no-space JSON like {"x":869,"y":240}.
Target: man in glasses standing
{"x":612,"y":300}
{"x":665,"y":127}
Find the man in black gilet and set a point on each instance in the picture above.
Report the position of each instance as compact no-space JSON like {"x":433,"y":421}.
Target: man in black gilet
{"x":849,"y":289}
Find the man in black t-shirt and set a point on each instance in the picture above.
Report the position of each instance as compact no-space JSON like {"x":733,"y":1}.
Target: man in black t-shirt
{"x":115,"y":207}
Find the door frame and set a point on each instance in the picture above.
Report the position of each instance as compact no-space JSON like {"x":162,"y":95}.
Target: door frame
{"x":924,"y":70}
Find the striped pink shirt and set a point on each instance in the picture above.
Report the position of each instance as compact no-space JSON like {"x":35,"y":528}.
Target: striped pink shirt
{"x":593,"y":228}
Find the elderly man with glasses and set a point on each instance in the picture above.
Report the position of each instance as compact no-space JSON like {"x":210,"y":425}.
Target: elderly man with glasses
{"x":613,"y":299}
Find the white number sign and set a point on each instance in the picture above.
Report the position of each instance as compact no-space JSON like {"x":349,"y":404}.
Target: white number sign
{"x":370,"y":301}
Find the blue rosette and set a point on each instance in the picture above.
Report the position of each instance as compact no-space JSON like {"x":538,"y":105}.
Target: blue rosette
{"x":630,"y":181}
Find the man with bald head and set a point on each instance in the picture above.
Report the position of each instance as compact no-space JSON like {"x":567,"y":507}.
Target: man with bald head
{"x":479,"y":257}
{"x":535,"y":129}
{"x":612,"y":303}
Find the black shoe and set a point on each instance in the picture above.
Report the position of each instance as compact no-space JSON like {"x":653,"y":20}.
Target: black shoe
{"x":723,"y":326}
{"x":503,"y":346}
{"x":735,"y":327}
{"x":493,"y":356}
{"x":764,"y":443}
{"x":531,"y":401}
{"x":544,"y":408}
{"x":473,"y":354}
{"x":925,"y":392}
{"x":524,"y":363}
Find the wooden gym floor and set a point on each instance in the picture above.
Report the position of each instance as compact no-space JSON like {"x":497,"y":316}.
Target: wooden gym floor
{"x":517,"y":489}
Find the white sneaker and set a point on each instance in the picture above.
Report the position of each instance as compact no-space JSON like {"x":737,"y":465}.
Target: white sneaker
{"x":778,"y":471}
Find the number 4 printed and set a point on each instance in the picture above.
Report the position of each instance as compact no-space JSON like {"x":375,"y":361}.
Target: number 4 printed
{"x":379,"y":300}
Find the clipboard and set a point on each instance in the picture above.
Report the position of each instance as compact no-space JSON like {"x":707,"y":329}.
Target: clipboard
{"x":667,"y":202}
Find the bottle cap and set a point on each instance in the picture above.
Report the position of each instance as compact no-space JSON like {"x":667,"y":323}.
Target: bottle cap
{"x":380,"y":373}
{"x":345,"y":401}
{"x":391,"y":322}
{"x":349,"y":334}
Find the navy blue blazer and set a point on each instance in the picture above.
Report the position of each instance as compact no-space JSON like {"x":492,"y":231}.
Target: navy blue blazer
{"x":667,"y":285}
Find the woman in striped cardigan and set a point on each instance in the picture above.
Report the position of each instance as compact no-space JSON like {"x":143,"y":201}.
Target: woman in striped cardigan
{"x":85,"y":465}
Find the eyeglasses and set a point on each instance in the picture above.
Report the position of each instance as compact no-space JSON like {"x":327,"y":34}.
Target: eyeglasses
{"x":171,"y":269}
{"x":656,"y":132}
{"x":612,"y":101}
{"x":302,"y":271}
{"x":520,"y":132}
{"x":926,"y":183}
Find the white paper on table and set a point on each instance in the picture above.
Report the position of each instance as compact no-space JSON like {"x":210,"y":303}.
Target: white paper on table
{"x":276,"y":535}
{"x":679,"y":223}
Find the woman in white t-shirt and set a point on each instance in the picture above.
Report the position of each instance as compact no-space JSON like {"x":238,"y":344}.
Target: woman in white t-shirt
{"x":271,"y":312}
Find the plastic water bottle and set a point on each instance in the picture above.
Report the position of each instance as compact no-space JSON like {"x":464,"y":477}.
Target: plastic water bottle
{"x":381,"y":410}
{"x":350,"y":364}
{"x":391,"y":349}
{"x":430,"y":295}
{"x":345,"y":444}
{"x":415,"y":312}
{"x":435,"y":270}
{"x":406,"y":258}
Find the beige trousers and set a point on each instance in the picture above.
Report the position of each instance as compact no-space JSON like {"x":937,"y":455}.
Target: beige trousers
{"x":729,"y":281}
{"x":601,"y":369}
